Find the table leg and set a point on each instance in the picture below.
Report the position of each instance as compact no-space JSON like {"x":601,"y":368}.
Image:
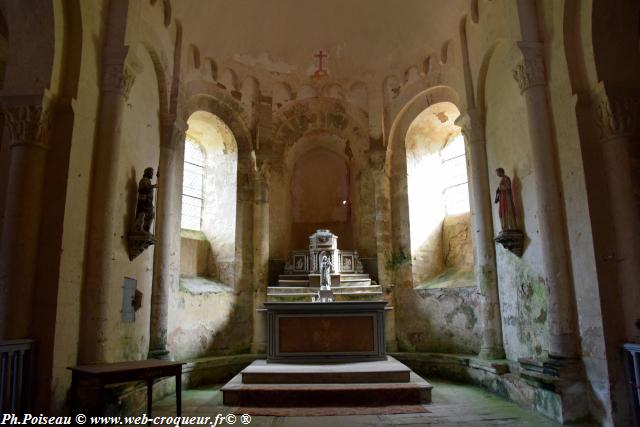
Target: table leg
{"x":149,"y":396}
{"x":179,"y":394}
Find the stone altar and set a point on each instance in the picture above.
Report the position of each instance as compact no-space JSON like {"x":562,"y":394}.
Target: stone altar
{"x":312,"y":332}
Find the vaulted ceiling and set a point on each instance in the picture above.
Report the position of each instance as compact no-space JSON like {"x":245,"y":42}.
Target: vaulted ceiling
{"x":363,"y":38}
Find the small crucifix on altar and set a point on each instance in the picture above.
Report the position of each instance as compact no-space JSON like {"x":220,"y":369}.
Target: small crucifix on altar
{"x":320,"y":71}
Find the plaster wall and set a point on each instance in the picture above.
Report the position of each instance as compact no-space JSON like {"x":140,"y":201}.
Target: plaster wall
{"x":439,"y":320}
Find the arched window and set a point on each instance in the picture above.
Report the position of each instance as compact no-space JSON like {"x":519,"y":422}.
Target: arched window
{"x":454,"y":168}
{"x":192,"y":186}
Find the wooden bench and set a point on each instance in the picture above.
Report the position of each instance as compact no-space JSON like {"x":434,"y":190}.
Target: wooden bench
{"x":91,"y":380}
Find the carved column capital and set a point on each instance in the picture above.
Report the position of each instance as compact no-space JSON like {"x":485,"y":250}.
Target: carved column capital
{"x":117,"y":76}
{"x":27,"y":119}
{"x":472,"y":125}
{"x":530,"y":71}
{"x":616,"y":114}
{"x":174,"y":131}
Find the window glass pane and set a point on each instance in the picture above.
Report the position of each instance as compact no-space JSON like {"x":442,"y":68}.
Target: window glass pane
{"x":454,"y":166}
{"x":193,"y":153}
{"x":191,"y":213}
{"x":454,"y":148}
{"x":192,"y":186}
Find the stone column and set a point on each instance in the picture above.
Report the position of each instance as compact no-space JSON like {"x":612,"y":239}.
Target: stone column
{"x":26,"y":121}
{"x":116,"y":80}
{"x":382,"y":188}
{"x":484,"y":246}
{"x":260,"y":256}
{"x":530,"y":75}
{"x":617,"y":119}
{"x":165,"y":262}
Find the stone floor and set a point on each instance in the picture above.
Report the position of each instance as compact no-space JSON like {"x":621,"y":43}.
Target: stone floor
{"x":453,"y":405}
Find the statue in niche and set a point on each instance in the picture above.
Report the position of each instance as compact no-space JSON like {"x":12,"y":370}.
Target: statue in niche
{"x":144,"y":207}
{"x":325,"y":272}
{"x":506,"y":207}
{"x":510,"y":237}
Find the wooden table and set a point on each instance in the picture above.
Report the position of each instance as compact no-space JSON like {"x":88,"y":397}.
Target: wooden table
{"x":92,"y":379}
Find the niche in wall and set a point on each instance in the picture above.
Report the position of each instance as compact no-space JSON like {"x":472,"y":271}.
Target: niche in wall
{"x":440,"y":229}
{"x":208,"y":201}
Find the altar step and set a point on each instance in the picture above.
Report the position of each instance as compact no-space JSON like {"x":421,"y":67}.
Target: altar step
{"x":303,"y":280}
{"x":349,"y":384}
{"x":341,"y":293}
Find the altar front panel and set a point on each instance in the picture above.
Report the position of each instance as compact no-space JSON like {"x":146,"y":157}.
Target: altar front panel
{"x":326,"y":332}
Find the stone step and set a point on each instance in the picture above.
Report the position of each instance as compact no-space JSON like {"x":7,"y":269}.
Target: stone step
{"x":359,"y":282}
{"x":301,"y":297}
{"x":308,"y":290}
{"x":354,"y":276}
{"x":292,"y":282}
{"x":384,"y":371}
{"x":415,"y":392}
{"x":293,"y":277}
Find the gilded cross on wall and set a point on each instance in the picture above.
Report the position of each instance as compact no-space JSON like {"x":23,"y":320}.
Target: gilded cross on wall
{"x":320,"y":72}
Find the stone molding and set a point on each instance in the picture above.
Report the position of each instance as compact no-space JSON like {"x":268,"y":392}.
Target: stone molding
{"x":530,"y":71}
{"x":27,"y":119}
{"x":617,"y":114}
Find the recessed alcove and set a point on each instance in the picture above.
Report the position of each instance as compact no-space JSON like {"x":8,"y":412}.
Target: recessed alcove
{"x":438,"y":195}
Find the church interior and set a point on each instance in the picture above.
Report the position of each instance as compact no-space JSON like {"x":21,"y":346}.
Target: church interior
{"x":384,"y":200}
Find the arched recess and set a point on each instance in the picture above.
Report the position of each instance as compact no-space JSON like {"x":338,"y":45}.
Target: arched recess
{"x":230,"y":112}
{"x":396,"y":165}
{"x":330,"y":129}
{"x":213,"y":313}
{"x":210,"y":194}
{"x":438,"y":200}
{"x":320,"y":188}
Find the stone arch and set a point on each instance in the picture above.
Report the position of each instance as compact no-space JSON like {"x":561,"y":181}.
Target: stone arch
{"x":204,"y":96}
{"x":396,"y":166}
{"x":358,"y":95}
{"x":411,"y":75}
{"x":482,"y":75}
{"x":334,"y":90}
{"x":475,"y":12}
{"x":281,"y":94}
{"x":444,"y":52}
{"x":166,"y":12}
{"x":193,"y":58}
{"x":305,"y":92}
{"x":161,"y":76}
{"x":229,"y":79}
{"x":331,"y":115}
{"x":221,"y":104}
{"x":211,"y":69}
